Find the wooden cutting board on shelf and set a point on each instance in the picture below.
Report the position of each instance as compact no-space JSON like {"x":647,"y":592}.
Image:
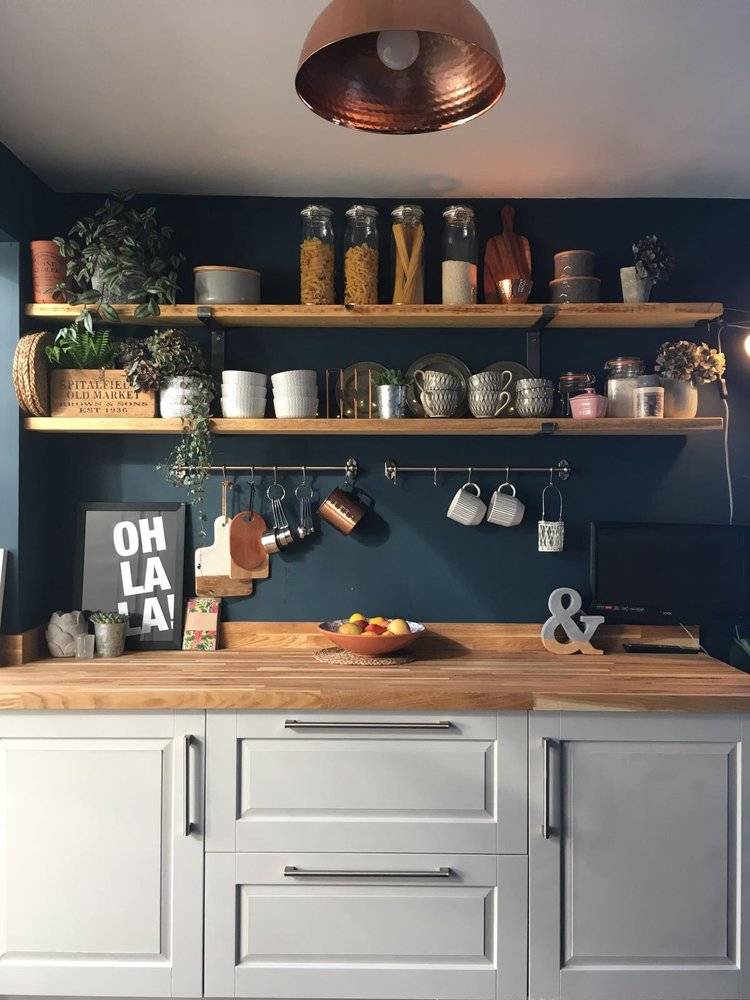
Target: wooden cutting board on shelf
{"x":506,"y":256}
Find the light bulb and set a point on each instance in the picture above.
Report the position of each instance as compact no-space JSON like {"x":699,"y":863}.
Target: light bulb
{"x":747,"y":344}
{"x":398,"y":49}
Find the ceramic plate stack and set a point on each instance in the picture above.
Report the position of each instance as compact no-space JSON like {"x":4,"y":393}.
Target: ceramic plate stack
{"x":295,"y":393}
{"x":30,"y":374}
{"x":243,"y":394}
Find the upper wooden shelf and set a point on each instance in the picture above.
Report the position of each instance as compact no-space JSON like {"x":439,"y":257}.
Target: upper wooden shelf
{"x":469,"y":426}
{"x":596,"y":315}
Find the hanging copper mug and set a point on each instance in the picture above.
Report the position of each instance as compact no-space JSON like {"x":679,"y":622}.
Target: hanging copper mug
{"x":341,"y":510}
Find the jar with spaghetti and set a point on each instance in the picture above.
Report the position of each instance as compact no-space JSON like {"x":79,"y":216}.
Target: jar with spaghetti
{"x":316,"y":257}
{"x":459,"y":270}
{"x":408,"y":255}
{"x":361,"y":256}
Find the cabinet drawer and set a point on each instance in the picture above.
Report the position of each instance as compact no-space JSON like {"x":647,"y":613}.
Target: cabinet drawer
{"x":365,"y":926}
{"x":367,"y":782}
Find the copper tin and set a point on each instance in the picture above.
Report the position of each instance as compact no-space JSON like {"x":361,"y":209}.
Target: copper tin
{"x":457,"y":75}
{"x":342,"y":511}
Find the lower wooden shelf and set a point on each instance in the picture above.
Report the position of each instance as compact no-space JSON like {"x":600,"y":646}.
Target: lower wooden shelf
{"x":468,"y":426}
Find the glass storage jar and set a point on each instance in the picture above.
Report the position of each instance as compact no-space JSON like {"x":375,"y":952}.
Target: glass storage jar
{"x":571,"y":383}
{"x":316,"y":256}
{"x":459,"y":256}
{"x":361,"y":255}
{"x":622,"y":375}
{"x":407,"y":233}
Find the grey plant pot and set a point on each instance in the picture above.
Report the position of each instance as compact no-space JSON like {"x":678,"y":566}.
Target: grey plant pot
{"x":680,"y":398}
{"x":62,"y":630}
{"x":634,"y":288}
{"x":110,"y":638}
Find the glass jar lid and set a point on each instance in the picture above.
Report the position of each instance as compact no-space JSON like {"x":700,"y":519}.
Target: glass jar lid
{"x":624,"y":367}
{"x":362,"y":211}
{"x":316,"y":212}
{"x":458,"y":213}
{"x":575,"y":379}
{"x":407,"y":213}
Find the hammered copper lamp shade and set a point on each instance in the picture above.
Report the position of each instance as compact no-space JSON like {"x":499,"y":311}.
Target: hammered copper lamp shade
{"x":456,"y":75}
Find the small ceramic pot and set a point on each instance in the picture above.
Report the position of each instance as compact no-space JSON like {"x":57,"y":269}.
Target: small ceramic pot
{"x":391,"y":401}
{"x":47,"y":270}
{"x":110,"y":638}
{"x":62,"y":630}
{"x":634,"y":289}
{"x":176,"y":396}
{"x":574,"y":264}
{"x":680,"y":398}
{"x":215,"y":285}
{"x":588,"y":405}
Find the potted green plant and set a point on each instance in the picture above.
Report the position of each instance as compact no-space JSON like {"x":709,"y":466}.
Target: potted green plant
{"x":86,"y":379}
{"x":682,"y":366}
{"x":119,"y":254}
{"x":170,"y":362}
{"x":390,"y":389}
{"x":110,"y":631}
{"x":653,"y":262}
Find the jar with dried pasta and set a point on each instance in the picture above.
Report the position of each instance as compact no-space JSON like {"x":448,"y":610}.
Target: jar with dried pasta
{"x":361,"y":255}
{"x":408,"y":255}
{"x":316,"y":257}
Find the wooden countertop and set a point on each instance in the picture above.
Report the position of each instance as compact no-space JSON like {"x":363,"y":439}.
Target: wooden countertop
{"x":506,"y":671}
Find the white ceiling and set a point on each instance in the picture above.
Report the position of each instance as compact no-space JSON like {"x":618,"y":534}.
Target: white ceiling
{"x":605,"y":98}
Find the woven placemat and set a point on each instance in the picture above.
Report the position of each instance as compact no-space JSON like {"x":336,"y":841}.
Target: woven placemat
{"x":331,"y":654}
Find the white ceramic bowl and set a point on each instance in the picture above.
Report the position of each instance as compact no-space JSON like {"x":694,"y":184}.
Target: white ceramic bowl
{"x":302,"y":406}
{"x":301,"y":377}
{"x":231,"y":377}
{"x":231,"y":408}
{"x":228,"y":392}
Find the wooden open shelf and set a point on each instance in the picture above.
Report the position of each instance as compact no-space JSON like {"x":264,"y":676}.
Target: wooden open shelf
{"x":408,"y":426}
{"x":595,"y":315}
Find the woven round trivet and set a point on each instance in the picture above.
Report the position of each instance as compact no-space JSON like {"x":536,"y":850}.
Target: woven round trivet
{"x":333,"y":655}
{"x":37,"y":373}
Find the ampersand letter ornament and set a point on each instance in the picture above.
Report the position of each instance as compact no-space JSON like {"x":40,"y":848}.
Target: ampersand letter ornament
{"x":579,"y":639}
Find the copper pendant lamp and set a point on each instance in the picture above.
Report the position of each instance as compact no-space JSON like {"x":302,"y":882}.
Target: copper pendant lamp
{"x":400,"y":66}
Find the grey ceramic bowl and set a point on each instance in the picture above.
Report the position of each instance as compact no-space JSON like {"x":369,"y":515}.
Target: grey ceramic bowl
{"x":574,"y":264}
{"x":574,"y":290}
{"x":215,"y":285}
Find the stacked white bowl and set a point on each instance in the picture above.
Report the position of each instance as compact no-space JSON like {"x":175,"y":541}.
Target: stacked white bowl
{"x":243,"y":394}
{"x":295,"y":393}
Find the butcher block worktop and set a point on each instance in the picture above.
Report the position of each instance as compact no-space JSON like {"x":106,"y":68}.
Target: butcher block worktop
{"x":459,"y":667}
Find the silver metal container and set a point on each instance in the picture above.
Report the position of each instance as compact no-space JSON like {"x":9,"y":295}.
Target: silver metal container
{"x":110,"y":638}
{"x":391,"y":401}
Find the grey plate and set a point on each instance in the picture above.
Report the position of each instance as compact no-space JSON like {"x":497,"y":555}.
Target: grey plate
{"x":358,"y":374}
{"x":438,"y":363}
{"x":517,"y":371}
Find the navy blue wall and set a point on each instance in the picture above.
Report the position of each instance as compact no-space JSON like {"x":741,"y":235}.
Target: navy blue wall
{"x":409,"y":559}
{"x":27,"y":206}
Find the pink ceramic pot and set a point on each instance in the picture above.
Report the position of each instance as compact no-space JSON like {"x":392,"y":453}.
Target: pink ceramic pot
{"x":588,"y":404}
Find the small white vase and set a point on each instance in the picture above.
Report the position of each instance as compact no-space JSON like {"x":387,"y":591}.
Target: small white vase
{"x":62,"y":629}
{"x":176,"y":396}
{"x":680,"y":398}
{"x":634,"y":289}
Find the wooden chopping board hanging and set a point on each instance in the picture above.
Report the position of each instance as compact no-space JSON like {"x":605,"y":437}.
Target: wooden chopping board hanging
{"x":214,"y":566}
{"x":506,"y":256}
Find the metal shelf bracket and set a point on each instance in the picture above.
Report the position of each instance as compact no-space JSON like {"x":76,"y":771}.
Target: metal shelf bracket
{"x":534,"y":340}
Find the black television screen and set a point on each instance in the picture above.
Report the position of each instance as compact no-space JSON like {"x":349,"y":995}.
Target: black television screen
{"x":654,"y":574}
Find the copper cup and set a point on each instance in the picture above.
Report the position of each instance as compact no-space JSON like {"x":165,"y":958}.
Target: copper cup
{"x":342,"y":511}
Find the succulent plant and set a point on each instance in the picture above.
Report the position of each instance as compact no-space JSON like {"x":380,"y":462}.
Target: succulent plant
{"x":109,"y":618}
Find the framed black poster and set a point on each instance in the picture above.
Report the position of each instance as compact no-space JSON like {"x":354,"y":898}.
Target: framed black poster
{"x":130,"y":559}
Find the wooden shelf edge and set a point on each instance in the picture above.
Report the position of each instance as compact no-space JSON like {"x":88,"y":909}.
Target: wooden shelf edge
{"x":467,"y":426}
{"x":591,"y":315}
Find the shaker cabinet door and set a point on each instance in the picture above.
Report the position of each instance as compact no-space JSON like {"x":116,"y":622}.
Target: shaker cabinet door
{"x":637,"y":848}
{"x":100,"y":877}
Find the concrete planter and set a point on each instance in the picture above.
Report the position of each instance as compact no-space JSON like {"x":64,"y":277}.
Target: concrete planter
{"x":634,"y":289}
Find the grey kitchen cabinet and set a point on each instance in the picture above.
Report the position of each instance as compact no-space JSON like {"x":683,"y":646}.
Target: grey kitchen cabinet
{"x":638,"y":837}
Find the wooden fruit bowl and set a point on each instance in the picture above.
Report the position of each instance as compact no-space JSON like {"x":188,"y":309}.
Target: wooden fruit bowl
{"x":370,"y":645}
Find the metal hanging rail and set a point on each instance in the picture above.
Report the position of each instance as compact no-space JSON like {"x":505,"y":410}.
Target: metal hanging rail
{"x":562,"y":469}
{"x":350,"y":468}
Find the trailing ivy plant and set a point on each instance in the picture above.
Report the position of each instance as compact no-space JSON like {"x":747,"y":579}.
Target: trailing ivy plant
{"x":187,"y":465}
{"x":119,"y":254}
{"x":80,"y":346}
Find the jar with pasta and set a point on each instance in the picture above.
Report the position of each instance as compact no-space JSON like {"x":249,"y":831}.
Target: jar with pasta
{"x":408,"y":255}
{"x":361,"y":256}
{"x":316,"y":258}
{"x":459,"y":270}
